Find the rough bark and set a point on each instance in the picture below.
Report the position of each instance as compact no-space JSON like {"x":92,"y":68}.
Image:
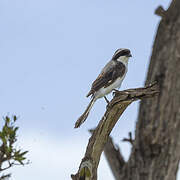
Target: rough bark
{"x":89,"y":164}
{"x":156,"y":149}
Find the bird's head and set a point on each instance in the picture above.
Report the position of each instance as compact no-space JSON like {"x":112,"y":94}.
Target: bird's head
{"x":122,"y":55}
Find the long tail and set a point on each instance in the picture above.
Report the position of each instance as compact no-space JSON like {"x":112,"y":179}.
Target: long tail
{"x":84,"y":116}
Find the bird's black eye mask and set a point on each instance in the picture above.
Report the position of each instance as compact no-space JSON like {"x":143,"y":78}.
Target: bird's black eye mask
{"x":121,"y":53}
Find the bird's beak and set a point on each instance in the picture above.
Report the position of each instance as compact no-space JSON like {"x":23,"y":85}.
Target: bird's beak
{"x":129,"y":55}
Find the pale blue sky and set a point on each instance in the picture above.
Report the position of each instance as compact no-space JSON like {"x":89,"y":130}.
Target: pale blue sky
{"x":50,"y":52}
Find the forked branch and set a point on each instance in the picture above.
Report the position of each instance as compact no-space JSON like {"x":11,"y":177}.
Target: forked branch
{"x":121,"y":100}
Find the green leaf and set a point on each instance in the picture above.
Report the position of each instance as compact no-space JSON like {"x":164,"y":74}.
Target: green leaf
{"x":4,"y":140}
{"x":8,"y":136}
{"x":14,"y":118}
{"x":23,"y":153}
{"x":16,"y":128}
{"x":7,"y":119}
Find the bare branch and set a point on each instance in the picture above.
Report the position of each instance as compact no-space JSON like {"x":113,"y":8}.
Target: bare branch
{"x":160,"y":11}
{"x":5,"y":177}
{"x":130,"y":139}
{"x":114,"y":157}
{"x":9,"y":165}
{"x":97,"y":142}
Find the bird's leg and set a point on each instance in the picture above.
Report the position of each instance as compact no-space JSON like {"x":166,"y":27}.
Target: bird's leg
{"x":115,"y":91}
{"x":106,"y":99}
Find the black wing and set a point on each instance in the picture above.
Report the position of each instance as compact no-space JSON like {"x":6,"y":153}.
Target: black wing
{"x":108,"y":77}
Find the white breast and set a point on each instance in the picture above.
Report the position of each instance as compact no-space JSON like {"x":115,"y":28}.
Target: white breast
{"x":104,"y":91}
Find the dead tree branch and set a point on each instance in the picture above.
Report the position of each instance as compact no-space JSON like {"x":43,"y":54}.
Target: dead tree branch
{"x":114,"y":157}
{"x":130,"y":139}
{"x":100,"y":136}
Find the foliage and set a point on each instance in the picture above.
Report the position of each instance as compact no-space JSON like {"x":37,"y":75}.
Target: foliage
{"x":9,"y":154}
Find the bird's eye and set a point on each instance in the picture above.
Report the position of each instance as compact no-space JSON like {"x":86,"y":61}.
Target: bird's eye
{"x":125,"y":53}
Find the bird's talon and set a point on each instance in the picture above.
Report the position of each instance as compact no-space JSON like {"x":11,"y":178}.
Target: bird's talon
{"x":115,"y":90}
{"x":106,"y":99}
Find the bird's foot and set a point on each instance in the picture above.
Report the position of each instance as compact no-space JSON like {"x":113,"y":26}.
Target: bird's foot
{"x":114,"y":92}
{"x":108,"y":102}
{"x":106,"y":99}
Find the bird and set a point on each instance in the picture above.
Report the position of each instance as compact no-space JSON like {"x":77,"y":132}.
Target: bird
{"x":109,"y":79}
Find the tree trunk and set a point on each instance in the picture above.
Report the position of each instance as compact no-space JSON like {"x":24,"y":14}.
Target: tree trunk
{"x":156,"y":149}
